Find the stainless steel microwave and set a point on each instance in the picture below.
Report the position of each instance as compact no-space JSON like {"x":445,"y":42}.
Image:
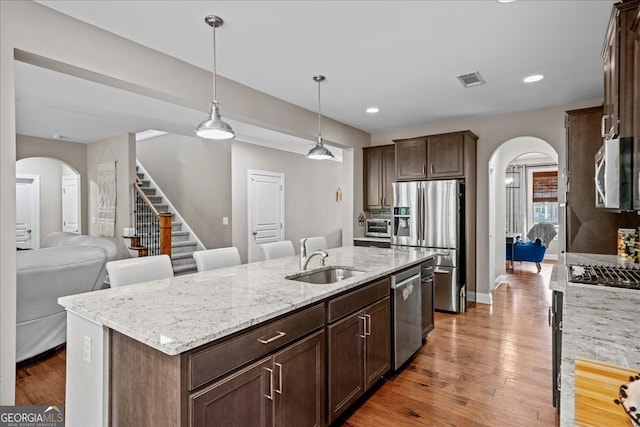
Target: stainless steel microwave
{"x":614,"y":174}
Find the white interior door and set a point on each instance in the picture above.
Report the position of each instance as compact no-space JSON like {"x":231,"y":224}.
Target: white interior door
{"x":27,"y":211}
{"x":70,"y":205}
{"x":266,"y":210}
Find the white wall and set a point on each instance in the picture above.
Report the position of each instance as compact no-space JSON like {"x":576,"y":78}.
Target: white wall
{"x":545,"y":123}
{"x":195,"y":174}
{"x":50,"y":172}
{"x":69,"y":153}
{"x":121,"y":149}
{"x":310,"y":194}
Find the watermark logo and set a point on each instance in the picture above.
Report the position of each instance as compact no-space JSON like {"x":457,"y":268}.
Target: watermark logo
{"x":31,"y":416}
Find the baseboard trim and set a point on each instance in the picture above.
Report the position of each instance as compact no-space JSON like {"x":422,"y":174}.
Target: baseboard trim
{"x":551,"y":257}
{"x":499,"y":281}
{"x":480,"y":298}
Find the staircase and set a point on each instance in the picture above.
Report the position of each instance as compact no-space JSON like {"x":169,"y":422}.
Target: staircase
{"x":182,"y":245}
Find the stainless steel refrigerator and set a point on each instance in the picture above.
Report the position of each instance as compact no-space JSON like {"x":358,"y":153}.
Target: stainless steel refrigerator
{"x":430,"y":214}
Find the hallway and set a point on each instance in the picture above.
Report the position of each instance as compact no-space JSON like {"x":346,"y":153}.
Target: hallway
{"x":488,"y":367}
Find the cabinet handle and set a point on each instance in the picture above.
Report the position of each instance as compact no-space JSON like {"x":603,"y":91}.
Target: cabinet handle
{"x":560,"y":325}
{"x":431,"y":168}
{"x":364,"y":327}
{"x":423,"y":166}
{"x":558,"y":382}
{"x":279,"y":390}
{"x":367,"y":323}
{"x":276,"y":337}
{"x":270,"y":395}
{"x":549,"y":316}
{"x":603,"y":126}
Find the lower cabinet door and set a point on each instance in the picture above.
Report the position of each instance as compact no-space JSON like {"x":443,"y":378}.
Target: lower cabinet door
{"x":242,"y":399}
{"x":299,"y":376}
{"x":377,"y":344}
{"x":346,"y":358}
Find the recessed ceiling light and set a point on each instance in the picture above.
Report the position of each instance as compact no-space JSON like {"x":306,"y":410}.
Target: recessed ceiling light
{"x":372,"y":110}
{"x":506,"y":1}
{"x":533,"y":78}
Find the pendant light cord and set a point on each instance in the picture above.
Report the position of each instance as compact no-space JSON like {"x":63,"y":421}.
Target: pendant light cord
{"x":214,"y":63}
{"x":319,"y":110}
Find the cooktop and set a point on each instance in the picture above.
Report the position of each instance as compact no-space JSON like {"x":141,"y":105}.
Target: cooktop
{"x":605,"y":275}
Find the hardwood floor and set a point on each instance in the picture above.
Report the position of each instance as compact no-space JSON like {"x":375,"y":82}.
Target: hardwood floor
{"x":488,"y":367}
{"x":42,"y":382}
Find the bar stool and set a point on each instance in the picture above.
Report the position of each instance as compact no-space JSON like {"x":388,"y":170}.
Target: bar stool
{"x":279,"y":249}
{"x":212,"y":259}
{"x":137,"y":270}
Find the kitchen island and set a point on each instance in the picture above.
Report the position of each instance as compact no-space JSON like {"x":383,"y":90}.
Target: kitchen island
{"x":156,"y":351}
{"x":599,"y":323}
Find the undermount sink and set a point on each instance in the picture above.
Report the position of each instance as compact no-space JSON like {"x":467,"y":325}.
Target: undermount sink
{"x":325,"y":276}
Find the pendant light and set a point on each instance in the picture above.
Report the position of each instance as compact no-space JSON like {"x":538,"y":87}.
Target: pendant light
{"x":319,"y":152}
{"x":214,"y":127}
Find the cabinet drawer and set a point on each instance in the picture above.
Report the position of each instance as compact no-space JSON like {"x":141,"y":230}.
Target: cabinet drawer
{"x":355,"y":300}
{"x":211,"y":363}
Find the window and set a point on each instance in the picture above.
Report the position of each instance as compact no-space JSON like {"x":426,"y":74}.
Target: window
{"x":545,"y":197}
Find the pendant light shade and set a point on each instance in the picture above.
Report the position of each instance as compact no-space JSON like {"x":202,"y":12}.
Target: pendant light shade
{"x":214,"y":127}
{"x":319,"y":152}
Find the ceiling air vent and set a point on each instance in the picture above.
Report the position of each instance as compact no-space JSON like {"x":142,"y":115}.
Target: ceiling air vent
{"x":471,"y":79}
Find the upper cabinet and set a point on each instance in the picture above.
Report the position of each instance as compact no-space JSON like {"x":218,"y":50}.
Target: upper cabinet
{"x":620,"y":72}
{"x":379,"y":175}
{"x":444,"y":156}
{"x":411,"y":159}
{"x":636,"y":105}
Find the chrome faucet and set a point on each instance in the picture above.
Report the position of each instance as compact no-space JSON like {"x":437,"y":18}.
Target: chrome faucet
{"x":304,"y":259}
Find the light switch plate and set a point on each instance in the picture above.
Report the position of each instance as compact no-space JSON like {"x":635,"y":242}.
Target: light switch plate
{"x":86,"y":349}
{"x":225,"y":220}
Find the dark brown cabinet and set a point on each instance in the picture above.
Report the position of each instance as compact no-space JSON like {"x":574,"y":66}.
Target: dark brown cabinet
{"x":445,"y":155}
{"x":411,"y":159}
{"x":359,"y":344}
{"x":287,"y":388}
{"x":636,"y":108}
{"x":299,"y":391}
{"x":377,"y":355}
{"x":379,"y":174}
{"x":428,"y":295}
{"x":589,"y":229}
{"x":239,"y":400}
{"x":619,"y":71}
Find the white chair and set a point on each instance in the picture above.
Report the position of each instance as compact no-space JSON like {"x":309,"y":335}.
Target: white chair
{"x":136,"y":270}
{"x":212,"y":259}
{"x":315,"y":244}
{"x":277,"y":249}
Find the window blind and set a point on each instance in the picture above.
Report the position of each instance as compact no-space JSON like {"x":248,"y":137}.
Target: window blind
{"x":545,"y":186}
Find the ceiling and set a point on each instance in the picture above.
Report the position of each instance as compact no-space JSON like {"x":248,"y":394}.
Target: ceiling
{"x":400,"y":56}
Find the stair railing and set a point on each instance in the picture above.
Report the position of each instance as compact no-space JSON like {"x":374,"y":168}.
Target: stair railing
{"x":153,"y":228}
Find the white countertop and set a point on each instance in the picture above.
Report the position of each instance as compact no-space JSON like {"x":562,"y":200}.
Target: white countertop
{"x":599,"y":323}
{"x":179,"y":314}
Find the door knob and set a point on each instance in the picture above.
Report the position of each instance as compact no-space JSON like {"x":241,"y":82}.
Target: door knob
{"x":255,"y":233}
{"x":29,"y":231}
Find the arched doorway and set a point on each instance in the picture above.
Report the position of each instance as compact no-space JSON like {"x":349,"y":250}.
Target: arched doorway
{"x":58,"y":197}
{"x":500,"y":159}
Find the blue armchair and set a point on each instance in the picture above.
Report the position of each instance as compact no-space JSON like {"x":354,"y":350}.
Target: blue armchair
{"x":530,"y":251}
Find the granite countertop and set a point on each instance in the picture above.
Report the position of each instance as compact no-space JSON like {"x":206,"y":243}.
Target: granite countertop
{"x":599,"y":323}
{"x":178,"y":314}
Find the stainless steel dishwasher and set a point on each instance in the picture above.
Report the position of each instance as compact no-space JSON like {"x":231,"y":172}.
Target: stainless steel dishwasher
{"x":406,"y":315}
